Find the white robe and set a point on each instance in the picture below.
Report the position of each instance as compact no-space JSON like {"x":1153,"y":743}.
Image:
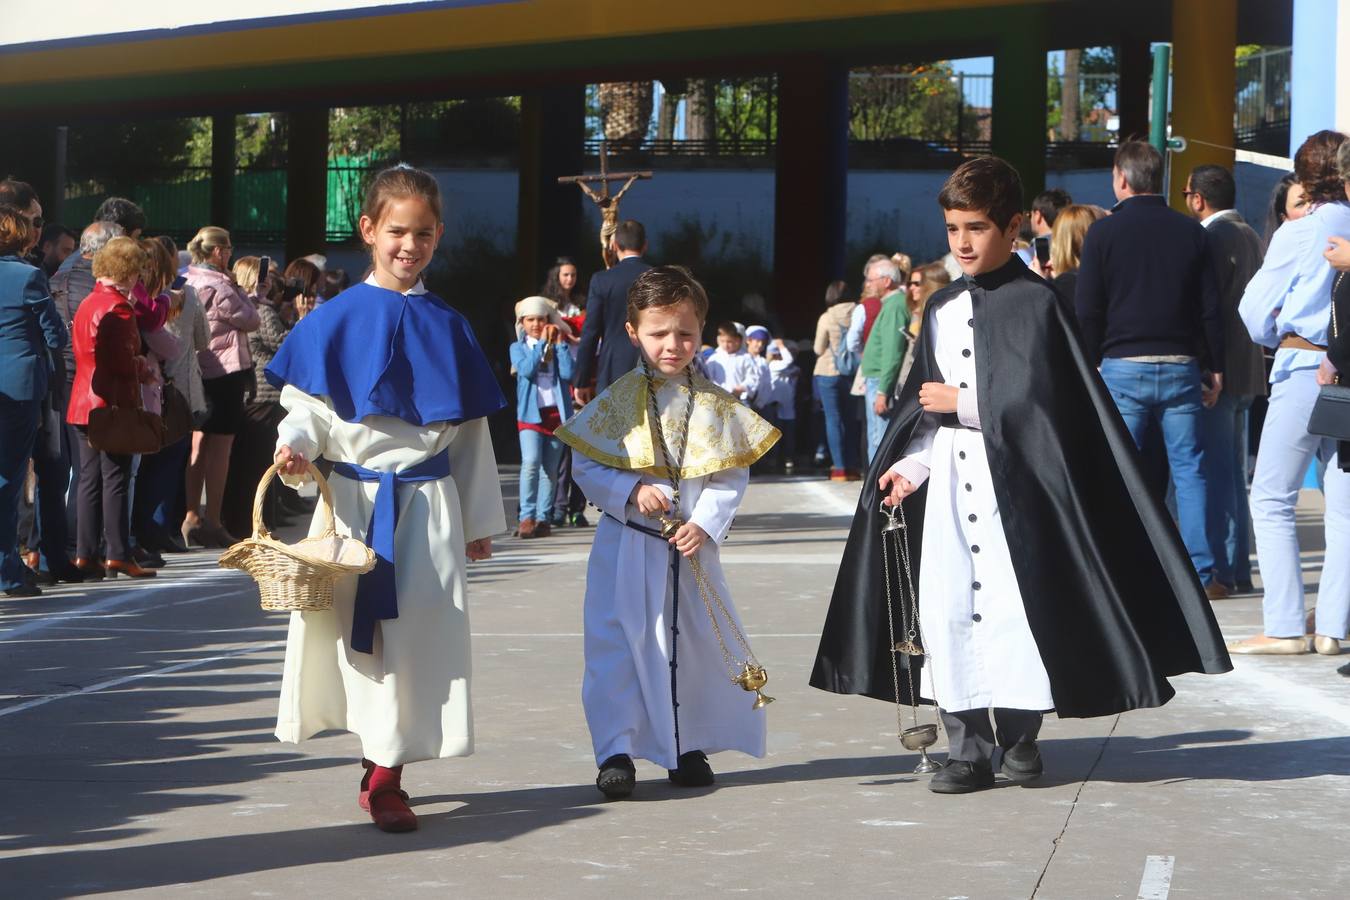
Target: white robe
{"x":980,"y":647}
{"x":409,"y":699}
{"x":626,"y":689}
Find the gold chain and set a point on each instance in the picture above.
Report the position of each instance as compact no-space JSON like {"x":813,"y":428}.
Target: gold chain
{"x":710,"y":598}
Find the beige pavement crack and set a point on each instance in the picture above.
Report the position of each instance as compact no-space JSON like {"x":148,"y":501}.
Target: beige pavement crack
{"x":1059,"y":838}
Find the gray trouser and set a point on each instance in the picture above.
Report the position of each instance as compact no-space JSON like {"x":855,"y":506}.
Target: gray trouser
{"x":971,"y":736}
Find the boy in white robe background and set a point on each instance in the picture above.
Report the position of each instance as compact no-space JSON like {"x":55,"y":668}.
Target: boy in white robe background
{"x":656,"y":684}
{"x":730,"y":366}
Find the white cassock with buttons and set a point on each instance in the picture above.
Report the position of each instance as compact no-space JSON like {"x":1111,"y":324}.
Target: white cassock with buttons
{"x":981,"y":650}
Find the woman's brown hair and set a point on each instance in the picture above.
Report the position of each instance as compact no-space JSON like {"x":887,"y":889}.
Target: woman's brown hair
{"x":161,"y":267}
{"x":120,"y":261}
{"x":1315,"y":167}
{"x":301,"y":279}
{"x":935,"y":277}
{"x":16,"y":231}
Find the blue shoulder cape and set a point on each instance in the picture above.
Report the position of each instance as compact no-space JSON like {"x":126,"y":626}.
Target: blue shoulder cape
{"x":376,"y":352}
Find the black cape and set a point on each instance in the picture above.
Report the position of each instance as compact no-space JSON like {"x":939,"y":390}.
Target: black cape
{"x":1110,"y":593}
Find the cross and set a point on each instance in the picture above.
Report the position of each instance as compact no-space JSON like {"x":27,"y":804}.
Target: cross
{"x":608,"y":205}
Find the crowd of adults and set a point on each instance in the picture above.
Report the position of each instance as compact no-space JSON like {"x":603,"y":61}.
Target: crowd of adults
{"x":104,"y":331}
{"x":1214,"y":342}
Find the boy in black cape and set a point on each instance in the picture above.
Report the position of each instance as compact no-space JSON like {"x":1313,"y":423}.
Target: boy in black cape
{"x":1048,"y":575}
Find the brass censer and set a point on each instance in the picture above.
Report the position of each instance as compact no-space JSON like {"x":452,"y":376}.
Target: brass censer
{"x":894,"y":547}
{"x":753,"y":677}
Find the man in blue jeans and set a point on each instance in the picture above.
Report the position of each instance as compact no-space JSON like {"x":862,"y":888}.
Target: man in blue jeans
{"x":1148,"y":310}
{"x":1236,"y":252}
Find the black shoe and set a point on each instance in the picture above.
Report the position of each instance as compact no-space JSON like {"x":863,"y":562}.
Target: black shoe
{"x":617,"y":776}
{"x":70,"y":575}
{"x":1022,"y":762}
{"x":24,"y":590}
{"x":579,"y":521}
{"x":960,"y":777}
{"x":694,"y":770}
{"x":147,"y":559}
{"x":1344,"y":670}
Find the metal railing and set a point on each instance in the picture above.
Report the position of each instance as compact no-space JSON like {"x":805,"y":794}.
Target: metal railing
{"x":1261,"y":117}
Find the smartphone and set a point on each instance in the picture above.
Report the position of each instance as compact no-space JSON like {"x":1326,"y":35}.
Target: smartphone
{"x":265,"y":264}
{"x":1043,"y":249}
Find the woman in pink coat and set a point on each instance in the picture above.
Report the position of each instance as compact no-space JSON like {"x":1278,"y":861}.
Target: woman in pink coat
{"x":227,"y":372}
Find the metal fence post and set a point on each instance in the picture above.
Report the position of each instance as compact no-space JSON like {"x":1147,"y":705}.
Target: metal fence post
{"x":1157,"y":132}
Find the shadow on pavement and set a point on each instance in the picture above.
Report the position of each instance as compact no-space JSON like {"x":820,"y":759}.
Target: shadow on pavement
{"x":484,"y":818}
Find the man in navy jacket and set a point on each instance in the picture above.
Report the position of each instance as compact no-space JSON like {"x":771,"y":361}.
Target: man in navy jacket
{"x":606,"y":314}
{"x":1148,"y":310}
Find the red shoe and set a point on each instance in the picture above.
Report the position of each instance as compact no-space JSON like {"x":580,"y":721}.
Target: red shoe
{"x":388,"y":802}
{"x":116,"y":567}
{"x":363,"y":796}
{"x":838,"y":475}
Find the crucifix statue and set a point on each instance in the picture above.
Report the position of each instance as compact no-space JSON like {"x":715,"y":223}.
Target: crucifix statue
{"x":608,"y":205}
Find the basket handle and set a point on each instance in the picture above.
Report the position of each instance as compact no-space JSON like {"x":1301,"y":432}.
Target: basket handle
{"x":325,"y":501}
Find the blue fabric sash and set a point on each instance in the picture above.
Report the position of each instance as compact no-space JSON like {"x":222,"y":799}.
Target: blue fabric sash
{"x":377,"y":590}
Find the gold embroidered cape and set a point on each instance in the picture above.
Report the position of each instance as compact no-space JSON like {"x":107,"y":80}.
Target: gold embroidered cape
{"x":615,"y":428}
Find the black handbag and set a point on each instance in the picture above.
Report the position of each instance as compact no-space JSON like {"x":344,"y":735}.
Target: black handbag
{"x":1331,"y":413}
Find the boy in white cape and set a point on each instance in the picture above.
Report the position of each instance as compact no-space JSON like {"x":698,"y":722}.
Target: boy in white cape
{"x":665,"y":455}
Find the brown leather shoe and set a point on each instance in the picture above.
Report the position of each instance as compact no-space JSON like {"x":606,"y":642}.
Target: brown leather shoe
{"x":543,"y":529}
{"x":116,"y":567}
{"x":1216,"y":590}
{"x":527,"y":529}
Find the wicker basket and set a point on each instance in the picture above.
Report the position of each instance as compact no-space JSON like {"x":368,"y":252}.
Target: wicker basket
{"x":298,"y":576}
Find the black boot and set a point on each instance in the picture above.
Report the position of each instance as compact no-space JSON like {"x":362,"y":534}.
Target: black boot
{"x":694,"y":770}
{"x":617,"y":776}
{"x":1022,"y":762}
{"x":960,"y":777}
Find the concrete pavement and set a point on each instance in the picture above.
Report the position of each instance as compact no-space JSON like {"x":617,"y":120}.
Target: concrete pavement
{"x":136,"y":722}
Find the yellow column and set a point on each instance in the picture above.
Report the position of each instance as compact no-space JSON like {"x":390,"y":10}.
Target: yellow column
{"x":1204,"y":41}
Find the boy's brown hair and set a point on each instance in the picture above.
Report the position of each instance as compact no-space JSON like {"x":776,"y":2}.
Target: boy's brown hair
{"x":730,"y":330}
{"x":988,"y":185}
{"x":662,"y":286}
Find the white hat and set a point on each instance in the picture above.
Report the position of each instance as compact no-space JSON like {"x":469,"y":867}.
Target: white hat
{"x":540,"y":306}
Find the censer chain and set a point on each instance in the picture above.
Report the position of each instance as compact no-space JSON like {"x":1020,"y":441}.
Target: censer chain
{"x":706,"y":591}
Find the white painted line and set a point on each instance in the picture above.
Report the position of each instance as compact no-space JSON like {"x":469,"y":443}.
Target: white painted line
{"x":1157,"y":880}
{"x":1288,"y":696}
{"x":831,"y":500}
{"x":112,"y":602}
{"x":116,"y":682}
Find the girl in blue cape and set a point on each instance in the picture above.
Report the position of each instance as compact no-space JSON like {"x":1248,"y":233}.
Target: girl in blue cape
{"x":388,"y":383}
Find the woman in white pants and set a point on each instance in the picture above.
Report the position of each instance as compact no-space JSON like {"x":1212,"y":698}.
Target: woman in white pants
{"x":1287,"y":306}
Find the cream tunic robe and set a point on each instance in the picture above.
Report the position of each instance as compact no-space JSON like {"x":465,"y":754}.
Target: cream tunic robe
{"x":975,"y":631}
{"x":626,"y":688}
{"x":409,"y":700}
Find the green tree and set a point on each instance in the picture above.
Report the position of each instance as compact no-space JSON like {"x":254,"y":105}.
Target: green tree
{"x":904,"y":101}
